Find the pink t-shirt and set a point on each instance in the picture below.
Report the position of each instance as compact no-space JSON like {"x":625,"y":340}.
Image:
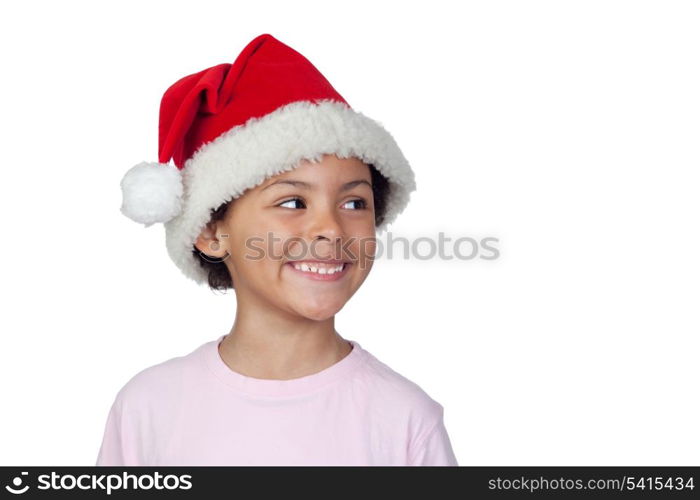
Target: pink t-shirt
{"x":195,"y":410}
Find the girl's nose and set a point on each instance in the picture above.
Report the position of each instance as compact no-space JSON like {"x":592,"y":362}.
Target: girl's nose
{"x":325,"y":224}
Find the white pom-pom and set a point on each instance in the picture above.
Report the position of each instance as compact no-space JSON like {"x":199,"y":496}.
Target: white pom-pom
{"x":152,"y":192}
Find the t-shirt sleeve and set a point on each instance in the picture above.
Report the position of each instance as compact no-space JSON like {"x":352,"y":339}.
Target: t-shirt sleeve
{"x":118,"y":447}
{"x":434,"y":447}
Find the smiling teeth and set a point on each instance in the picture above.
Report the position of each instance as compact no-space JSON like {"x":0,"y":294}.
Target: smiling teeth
{"x":319,"y":270}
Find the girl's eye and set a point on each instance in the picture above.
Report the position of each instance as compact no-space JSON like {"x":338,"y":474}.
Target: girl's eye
{"x":361,"y":202}
{"x":292,"y":200}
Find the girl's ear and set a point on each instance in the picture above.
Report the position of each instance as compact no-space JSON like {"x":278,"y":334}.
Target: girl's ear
{"x":209,"y":244}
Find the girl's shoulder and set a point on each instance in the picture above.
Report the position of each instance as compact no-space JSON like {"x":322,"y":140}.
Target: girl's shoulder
{"x":391,"y":388}
{"x":158,"y":381}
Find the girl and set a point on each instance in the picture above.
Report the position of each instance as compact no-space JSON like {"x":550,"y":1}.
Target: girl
{"x":277,"y":192}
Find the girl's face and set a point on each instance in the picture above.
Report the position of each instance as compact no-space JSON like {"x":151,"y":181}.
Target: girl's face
{"x":313,"y":213}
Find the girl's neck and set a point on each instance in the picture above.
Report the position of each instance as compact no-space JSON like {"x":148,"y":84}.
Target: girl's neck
{"x":270,"y":345}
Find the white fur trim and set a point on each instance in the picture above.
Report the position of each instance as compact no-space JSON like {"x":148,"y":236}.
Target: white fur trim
{"x":151,"y":192}
{"x":246,"y":155}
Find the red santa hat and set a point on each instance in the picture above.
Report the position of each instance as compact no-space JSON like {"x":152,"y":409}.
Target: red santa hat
{"x":230,"y":127}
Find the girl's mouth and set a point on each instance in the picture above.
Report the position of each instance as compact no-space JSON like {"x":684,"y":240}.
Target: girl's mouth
{"x":320,"y":271}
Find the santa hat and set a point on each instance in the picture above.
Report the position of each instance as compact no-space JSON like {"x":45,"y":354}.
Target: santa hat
{"x":230,"y":127}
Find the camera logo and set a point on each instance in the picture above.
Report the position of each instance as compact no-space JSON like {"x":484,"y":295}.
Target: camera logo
{"x":17,"y":482}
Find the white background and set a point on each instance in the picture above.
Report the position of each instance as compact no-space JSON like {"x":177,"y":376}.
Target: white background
{"x":567,"y":130}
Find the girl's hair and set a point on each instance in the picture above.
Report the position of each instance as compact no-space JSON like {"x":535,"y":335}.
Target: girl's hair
{"x":219,"y":277}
